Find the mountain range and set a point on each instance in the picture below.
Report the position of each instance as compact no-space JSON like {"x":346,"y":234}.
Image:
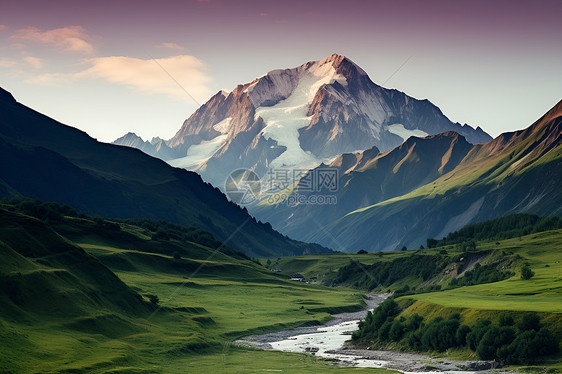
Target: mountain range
{"x":405,"y":173}
{"x":298,"y":118}
{"x":366,"y":178}
{"x":428,"y":187}
{"x":44,"y":159}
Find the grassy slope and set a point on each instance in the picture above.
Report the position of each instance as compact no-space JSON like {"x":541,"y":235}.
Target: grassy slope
{"x":325,"y":267}
{"x":77,"y":322}
{"x":514,"y":296}
{"x":542,"y":293}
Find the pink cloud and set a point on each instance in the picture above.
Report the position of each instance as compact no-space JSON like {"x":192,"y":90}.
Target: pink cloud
{"x":70,"y":38}
{"x":175,"y":46}
{"x":154,"y":76}
{"x":3,"y":27}
{"x":8,"y":63}
{"x":35,"y":62}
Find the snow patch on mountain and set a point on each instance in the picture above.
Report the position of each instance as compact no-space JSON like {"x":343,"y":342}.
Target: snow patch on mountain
{"x":284,"y":119}
{"x":199,"y":153}
{"x":404,"y":133}
{"x":223,"y":126}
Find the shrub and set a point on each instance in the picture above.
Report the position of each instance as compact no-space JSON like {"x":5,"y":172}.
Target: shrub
{"x":526,"y":272}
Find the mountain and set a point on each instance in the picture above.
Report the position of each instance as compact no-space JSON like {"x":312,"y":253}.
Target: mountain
{"x":366,"y":178}
{"x":44,"y":159}
{"x":517,"y":172}
{"x":301,"y":117}
{"x":156,"y":147}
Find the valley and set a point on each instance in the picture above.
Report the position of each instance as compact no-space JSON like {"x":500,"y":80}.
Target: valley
{"x":312,"y":219}
{"x":190,"y":326}
{"x":177,"y":306}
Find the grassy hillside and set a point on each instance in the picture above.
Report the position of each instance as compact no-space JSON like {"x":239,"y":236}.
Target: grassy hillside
{"x":466,"y":285}
{"x":117,"y":300}
{"x":541,"y":293}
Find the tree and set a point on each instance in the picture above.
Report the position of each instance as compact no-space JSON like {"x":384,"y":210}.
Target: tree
{"x":506,"y":320}
{"x":362,"y":252}
{"x":530,"y":321}
{"x":431,"y":242}
{"x":493,"y":340}
{"x":404,"y":248}
{"x":396,"y":330}
{"x":526,"y":272}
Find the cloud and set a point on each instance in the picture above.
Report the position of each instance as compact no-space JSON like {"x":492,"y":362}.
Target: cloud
{"x":149,"y":76}
{"x":70,"y":38}
{"x":35,"y":62}
{"x":174,"y":46}
{"x":50,"y":79}
{"x":3,"y":27}
{"x":8,"y":63}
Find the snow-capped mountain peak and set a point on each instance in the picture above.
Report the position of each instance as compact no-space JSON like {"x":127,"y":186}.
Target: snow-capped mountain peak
{"x":300,"y":117}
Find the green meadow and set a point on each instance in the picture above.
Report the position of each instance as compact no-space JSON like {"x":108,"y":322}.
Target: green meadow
{"x":89,"y":296}
{"x":166,"y":306}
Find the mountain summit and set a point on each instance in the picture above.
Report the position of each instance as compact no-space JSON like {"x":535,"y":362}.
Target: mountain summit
{"x":301,"y":117}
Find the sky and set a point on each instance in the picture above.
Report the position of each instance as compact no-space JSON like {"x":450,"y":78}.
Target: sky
{"x":110,"y":67}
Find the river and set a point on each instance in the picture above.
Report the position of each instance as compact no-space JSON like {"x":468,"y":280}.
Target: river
{"x":328,"y":341}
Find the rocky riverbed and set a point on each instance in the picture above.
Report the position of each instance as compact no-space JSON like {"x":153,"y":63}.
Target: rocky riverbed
{"x":328,"y":341}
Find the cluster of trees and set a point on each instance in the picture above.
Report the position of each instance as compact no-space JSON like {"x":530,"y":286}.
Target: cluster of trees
{"x":481,"y":274}
{"x":162,"y":230}
{"x":45,"y":211}
{"x":54,"y":213}
{"x":507,"y":227}
{"x":504,"y":342}
{"x":387,"y":272}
